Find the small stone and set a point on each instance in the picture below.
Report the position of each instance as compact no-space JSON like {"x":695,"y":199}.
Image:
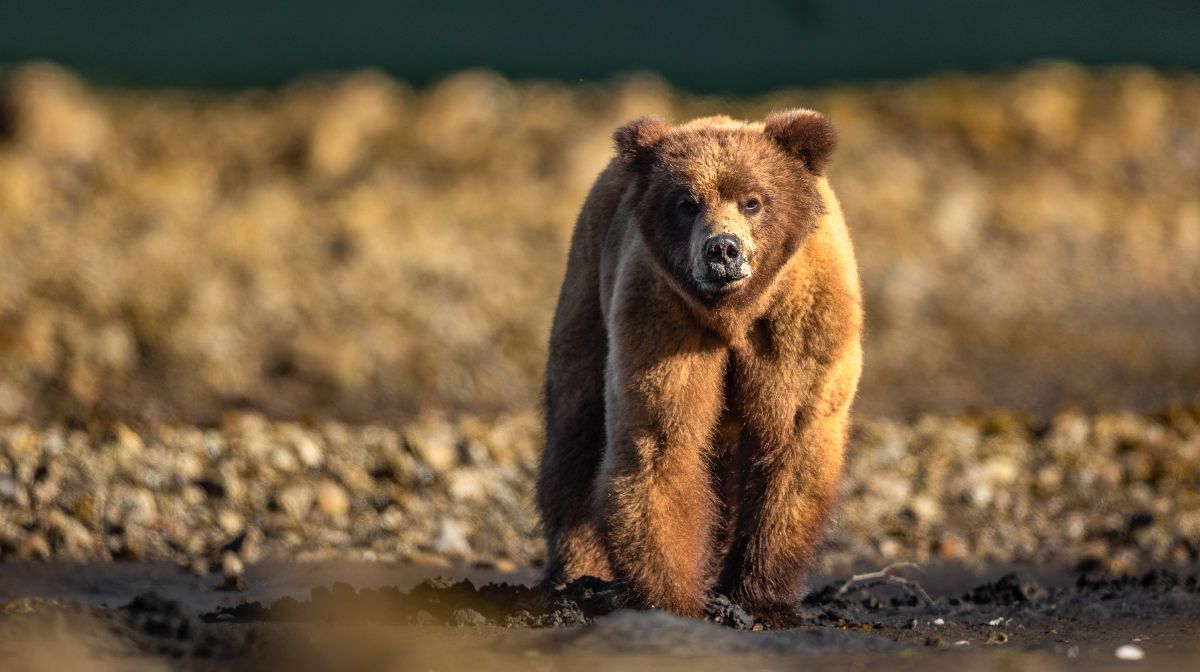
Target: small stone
{"x":951,"y":547}
{"x":55,"y":113}
{"x":331,"y":499}
{"x":231,"y":564}
{"x":128,"y":438}
{"x":1130,"y":652}
{"x":296,"y":501}
{"x":469,"y":617}
{"x":926,"y":508}
{"x":138,"y":508}
{"x":34,"y":547}
{"x":307,"y":450}
{"x":452,"y":539}
{"x":284,"y":460}
{"x":234,"y":572}
{"x":435,"y":442}
{"x":467,"y":485}
{"x":504,"y":565}
{"x":11,"y":492}
{"x":230,"y":522}
{"x":1049,"y":480}
{"x":889,"y":548}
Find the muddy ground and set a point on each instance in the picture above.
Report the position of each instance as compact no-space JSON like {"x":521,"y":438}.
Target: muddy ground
{"x":327,"y":616}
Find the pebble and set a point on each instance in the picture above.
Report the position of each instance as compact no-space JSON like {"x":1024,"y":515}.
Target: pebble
{"x":307,"y":450}
{"x":1129,"y":652}
{"x":435,"y":442}
{"x":34,"y":547}
{"x":233,"y":571}
{"x":230,"y":522}
{"x":452,"y":539}
{"x":296,"y":501}
{"x":469,"y":617}
{"x":331,"y":499}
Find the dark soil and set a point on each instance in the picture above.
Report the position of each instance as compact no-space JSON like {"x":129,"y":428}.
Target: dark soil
{"x":1091,"y":617}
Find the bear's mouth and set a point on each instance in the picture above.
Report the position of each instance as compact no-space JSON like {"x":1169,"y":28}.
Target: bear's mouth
{"x":721,"y":279}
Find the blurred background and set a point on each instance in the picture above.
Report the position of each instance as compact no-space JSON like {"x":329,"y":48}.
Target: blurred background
{"x":249,"y":252}
{"x":363,"y":211}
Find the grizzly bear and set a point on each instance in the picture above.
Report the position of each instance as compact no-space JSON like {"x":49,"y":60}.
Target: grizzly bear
{"x":704,"y":355}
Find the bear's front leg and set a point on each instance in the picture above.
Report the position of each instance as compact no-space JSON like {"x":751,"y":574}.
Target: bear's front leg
{"x":791,"y":455}
{"x":664,"y":397}
{"x":789,"y":490}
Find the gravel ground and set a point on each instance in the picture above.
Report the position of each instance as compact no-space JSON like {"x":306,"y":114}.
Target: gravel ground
{"x":1117,"y":492}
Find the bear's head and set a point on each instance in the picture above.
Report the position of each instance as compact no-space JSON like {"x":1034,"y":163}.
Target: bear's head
{"x":722,"y":205}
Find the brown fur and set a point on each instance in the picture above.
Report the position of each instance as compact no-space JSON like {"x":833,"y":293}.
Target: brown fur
{"x":695,"y":438}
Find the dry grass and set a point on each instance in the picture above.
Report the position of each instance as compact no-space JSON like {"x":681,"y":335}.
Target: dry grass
{"x":353,"y":248}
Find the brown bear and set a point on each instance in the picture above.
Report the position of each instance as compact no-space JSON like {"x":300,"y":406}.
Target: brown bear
{"x":705,"y":352}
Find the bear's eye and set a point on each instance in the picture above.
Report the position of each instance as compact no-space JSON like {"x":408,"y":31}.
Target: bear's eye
{"x":752,"y":204}
{"x":688,"y":206}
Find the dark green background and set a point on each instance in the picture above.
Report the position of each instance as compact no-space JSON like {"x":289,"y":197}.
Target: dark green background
{"x":704,"y":45}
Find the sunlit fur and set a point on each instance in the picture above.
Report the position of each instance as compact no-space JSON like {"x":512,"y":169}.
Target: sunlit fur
{"x":695,"y":439}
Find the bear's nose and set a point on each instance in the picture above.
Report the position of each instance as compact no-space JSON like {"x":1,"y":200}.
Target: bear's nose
{"x":724,"y":249}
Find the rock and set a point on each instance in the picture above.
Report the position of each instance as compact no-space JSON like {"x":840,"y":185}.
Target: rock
{"x":75,"y":540}
{"x":284,"y":460}
{"x":435,"y":442}
{"x":34,"y":547}
{"x":1008,"y":589}
{"x":725,"y":612}
{"x":950,"y":546}
{"x":1129,"y":652}
{"x":468,"y":484}
{"x":55,"y":113}
{"x":307,"y":449}
{"x":11,"y":492}
{"x":468,"y":617}
{"x":233,"y":571}
{"x":331,"y":499}
{"x":353,"y":114}
{"x":505,"y":566}
{"x":296,"y":501}
{"x":926,"y":509}
{"x":451,"y":539}
{"x":231,"y":522}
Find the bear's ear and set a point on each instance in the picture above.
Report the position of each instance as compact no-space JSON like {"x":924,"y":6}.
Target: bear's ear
{"x":637,"y":140}
{"x":805,"y":134}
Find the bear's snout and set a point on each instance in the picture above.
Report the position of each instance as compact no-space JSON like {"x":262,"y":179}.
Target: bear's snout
{"x":724,"y":250}
{"x":723,"y":262}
